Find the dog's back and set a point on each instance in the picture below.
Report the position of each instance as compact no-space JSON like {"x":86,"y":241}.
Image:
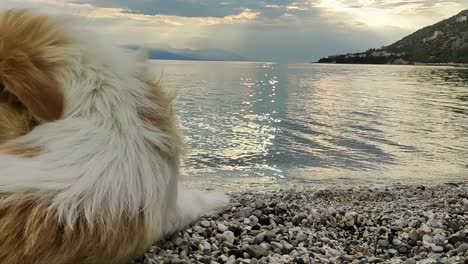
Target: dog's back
{"x":97,"y":181}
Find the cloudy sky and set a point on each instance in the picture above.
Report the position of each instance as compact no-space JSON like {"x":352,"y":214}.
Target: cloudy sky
{"x":269,"y":30}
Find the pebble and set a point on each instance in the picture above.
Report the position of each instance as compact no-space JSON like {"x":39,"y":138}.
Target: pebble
{"x":437,"y":249}
{"x":222,"y":228}
{"x":229,"y":236}
{"x":413,"y":235}
{"x":301,"y":236}
{"x":199,"y":229}
{"x":253,"y":220}
{"x":256,"y":251}
{"x":398,"y":224}
{"x":396,"y":242}
{"x":286,"y":245}
{"x":246,"y":212}
{"x":259,"y":238}
{"x":424,"y":229}
{"x":205,"y":223}
{"x":276,"y":245}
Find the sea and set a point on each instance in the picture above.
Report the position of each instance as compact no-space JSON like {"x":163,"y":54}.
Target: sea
{"x":313,"y":123}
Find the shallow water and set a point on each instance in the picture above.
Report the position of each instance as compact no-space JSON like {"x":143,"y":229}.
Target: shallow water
{"x":259,"y":122}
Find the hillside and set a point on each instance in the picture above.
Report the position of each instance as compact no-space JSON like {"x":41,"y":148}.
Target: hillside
{"x":443,"y":42}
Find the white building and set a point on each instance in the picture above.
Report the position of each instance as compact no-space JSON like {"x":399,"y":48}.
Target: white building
{"x":381,"y":53}
{"x":462,"y":19}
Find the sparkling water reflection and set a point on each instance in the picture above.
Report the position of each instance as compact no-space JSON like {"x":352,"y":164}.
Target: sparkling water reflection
{"x":313,"y":122}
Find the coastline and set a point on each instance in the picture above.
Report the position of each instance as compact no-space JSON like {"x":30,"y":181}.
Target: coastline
{"x":329,"y":223}
{"x":449,"y":64}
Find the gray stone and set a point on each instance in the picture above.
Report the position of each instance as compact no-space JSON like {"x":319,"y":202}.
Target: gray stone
{"x":375,"y":260}
{"x":246,"y":212}
{"x":301,"y":236}
{"x":281,"y":207}
{"x":287,"y":245}
{"x":199,"y":229}
{"x":437,"y":249}
{"x":276,"y":245}
{"x":223,"y":259}
{"x":384,"y":243}
{"x":222,"y":228}
{"x":427,"y":238}
{"x":205,"y":223}
{"x":228,"y":236}
{"x":396,"y":242}
{"x":462,"y":248}
{"x":403,"y":249}
{"x":413,"y":235}
{"x":259,"y":238}
{"x":253,"y":219}
{"x":259,"y":204}
{"x":256,"y":251}
{"x":206,"y":245}
{"x":214,"y":247}
{"x":257,"y":213}
{"x":423,"y":230}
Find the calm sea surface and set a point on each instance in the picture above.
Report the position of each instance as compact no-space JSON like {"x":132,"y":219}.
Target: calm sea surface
{"x":322,"y":122}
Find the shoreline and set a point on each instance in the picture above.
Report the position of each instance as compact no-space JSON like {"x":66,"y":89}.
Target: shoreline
{"x":448,"y":64}
{"x":270,"y":184}
{"x":388,"y":223}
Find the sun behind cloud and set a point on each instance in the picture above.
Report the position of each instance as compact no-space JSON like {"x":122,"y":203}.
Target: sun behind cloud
{"x":410,"y":15}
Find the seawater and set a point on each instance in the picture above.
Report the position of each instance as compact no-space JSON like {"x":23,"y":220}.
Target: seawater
{"x":321,"y":122}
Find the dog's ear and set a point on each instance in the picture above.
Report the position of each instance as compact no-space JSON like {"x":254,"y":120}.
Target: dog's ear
{"x":28,"y":62}
{"x":142,"y":55}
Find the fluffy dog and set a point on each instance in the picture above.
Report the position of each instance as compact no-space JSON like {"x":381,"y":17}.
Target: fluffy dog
{"x":91,"y":150}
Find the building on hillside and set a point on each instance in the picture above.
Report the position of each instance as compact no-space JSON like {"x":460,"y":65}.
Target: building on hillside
{"x":381,"y":53}
{"x":461,"y":19}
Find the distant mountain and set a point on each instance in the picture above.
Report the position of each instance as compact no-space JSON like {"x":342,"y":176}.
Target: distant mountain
{"x":211,"y":54}
{"x":444,"y":42}
{"x":189,"y":54}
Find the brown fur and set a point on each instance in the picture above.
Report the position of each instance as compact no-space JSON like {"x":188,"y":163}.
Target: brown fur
{"x":15,"y":119}
{"x":165,"y":118}
{"x":29,"y":62}
{"x":30,"y":234}
{"x":21,"y":150}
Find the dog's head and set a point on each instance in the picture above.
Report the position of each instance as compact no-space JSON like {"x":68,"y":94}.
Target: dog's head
{"x":30,"y":51}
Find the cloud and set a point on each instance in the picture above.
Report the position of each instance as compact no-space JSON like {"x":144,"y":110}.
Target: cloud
{"x":246,"y":15}
{"x":408,"y":15}
{"x":183,"y":8}
{"x":284,"y":30}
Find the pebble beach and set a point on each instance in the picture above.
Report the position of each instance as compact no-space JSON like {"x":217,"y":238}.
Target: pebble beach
{"x":334,"y":224}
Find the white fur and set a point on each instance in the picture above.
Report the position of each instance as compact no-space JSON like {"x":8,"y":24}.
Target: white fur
{"x":98,"y":159}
